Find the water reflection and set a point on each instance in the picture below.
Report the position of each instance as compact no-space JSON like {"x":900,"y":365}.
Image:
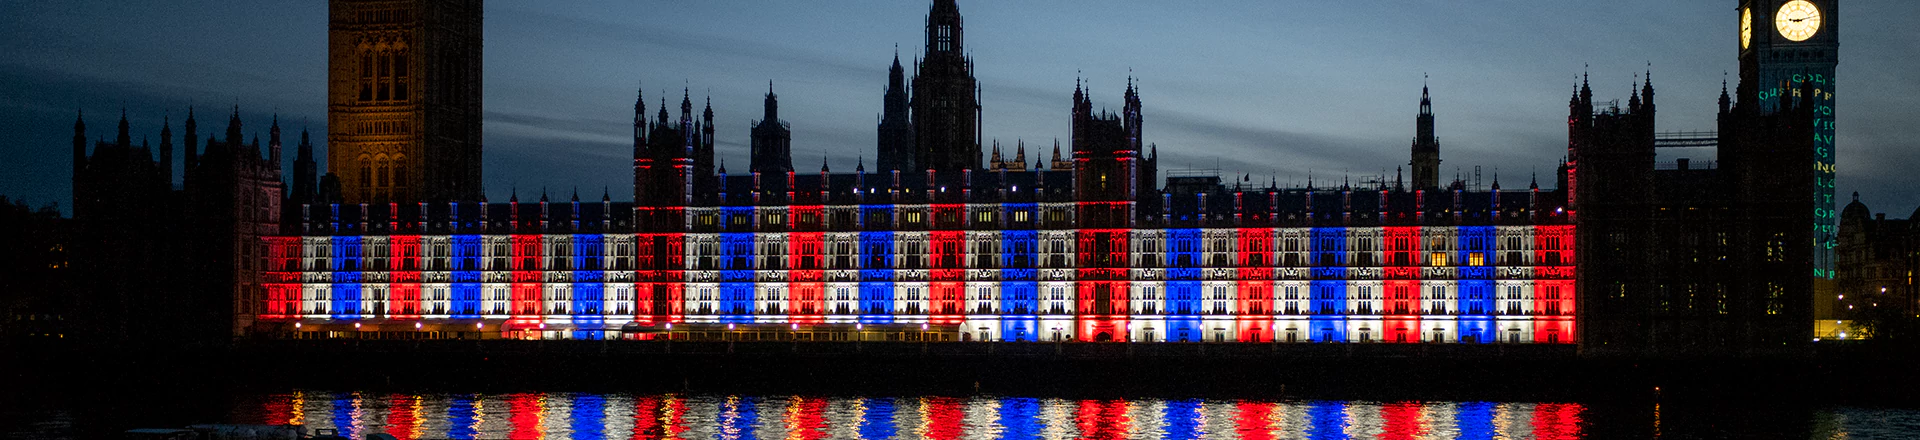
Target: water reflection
{"x":603,"y":416}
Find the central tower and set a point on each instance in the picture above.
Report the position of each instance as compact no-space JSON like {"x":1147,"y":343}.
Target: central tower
{"x":403,"y":99}
{"x":1426,"y":148}
{"x":946,"y":102}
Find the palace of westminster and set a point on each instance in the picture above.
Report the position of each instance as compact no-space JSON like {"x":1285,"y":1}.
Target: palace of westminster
{"x":941,"y":241}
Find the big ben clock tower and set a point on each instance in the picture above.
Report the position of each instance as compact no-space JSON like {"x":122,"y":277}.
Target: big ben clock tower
{"x":1788,"y":51}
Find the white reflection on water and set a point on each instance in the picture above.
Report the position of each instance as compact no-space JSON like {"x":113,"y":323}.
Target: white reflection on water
{"x":598,"y":416}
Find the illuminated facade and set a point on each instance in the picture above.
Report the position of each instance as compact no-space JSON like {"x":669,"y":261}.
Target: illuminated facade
{"x":1000,"y":255}
{"x":935,"y":247}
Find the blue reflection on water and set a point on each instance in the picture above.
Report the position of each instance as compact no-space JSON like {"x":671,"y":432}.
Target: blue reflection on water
{"x":1474,"y":420}
{"x":1019,"y":418}
{"x":1183,"y":419}
{"x":877,"y":421}
{"x":461,"y":414}
{"x":1327,"y":420}
{"x":587,"y":412}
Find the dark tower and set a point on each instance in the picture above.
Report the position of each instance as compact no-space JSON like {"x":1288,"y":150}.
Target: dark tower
{"x":772,"y":140}
{"x":1789,"y":50}
{"x":190,"y":142}
{"x":166,"y":152}
{"x":946,"y":108}
{"x":896,"y":128}
{"x":80,"y":160}
{"x":304,"y":170}
{"x":403,"y":99}
{"x":1426,"y":148}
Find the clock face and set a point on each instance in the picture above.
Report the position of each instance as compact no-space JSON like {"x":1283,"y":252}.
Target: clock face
{"x":1746,"y":27}
{"x":1797,"y":20}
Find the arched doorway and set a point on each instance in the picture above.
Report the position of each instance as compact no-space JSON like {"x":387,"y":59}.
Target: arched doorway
{"x":1103,"y":337}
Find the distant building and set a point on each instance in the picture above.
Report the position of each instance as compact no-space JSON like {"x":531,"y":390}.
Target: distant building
{"x":37,"y":300}
{"x":1877,"y":259}
{"x":403,"y":99}
{"x":146,"y":254}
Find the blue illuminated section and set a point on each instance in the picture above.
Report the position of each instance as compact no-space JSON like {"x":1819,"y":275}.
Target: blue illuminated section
{"x":1019,"y":418}
{"x":1476,"y":311}
{"x":876,"y":422}
{"x":1474,"y":420}
{"x":1474,"y":240}
{"x":589,"y":295}
{"x":465,"y":300}
{"x":461,"y":415}
{"x":346,"y":278}
{"x":1183,"y":297}
{"x":588,"y":413}
{"x":1183,"y":420}
{"x":1327,"y":251}
{"x":1019,"y":285}
{"x":1327,"y":419}
{"x":1183,"y":248}
{"x":876,"y":276}
{"x":736,"y":277}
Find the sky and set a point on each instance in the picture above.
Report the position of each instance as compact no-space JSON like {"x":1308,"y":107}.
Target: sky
{"x":1273,"y":89}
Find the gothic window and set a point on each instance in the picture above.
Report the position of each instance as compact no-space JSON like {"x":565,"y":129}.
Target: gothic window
{"x":399,"y":172}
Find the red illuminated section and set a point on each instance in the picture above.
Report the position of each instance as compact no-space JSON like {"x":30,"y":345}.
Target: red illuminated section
{"x":1255,"y":284}
{"x":806,"y":283}
{"x":1557,"y":420}
{"x":403,"y":276}
{"x":1401,"y":270}
{"x":1553,"y":292}
{"x":281,"y":279}
{"x":947,"y":302}
{"x":660,"y":290}
{"x":524,"y":304}
{"x":1101,"y":285}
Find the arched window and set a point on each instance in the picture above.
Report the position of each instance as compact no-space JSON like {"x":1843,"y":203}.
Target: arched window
{"x":380,"y":172}
{"x":399,"y":172}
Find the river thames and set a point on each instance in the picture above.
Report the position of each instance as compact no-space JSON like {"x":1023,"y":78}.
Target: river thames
{"x":564,"y":415}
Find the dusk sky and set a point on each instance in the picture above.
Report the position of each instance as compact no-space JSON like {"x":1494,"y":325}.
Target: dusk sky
{"x":1275,"y":89}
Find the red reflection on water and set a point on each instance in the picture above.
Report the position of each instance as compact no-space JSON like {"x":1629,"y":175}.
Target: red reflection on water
{"x":1402,"y":421}
{"x":1102,"y":419}
{"x":274,"y":411}
{"x":523,"y":414}
{"x":806,"y":418}
{"x":946,"y":418}
{"x":657,"y":417}
{"x":1557,"y":420}
{"x":646,"y":418}
{"x":1253,"y":420}
{"x":402,"y":416}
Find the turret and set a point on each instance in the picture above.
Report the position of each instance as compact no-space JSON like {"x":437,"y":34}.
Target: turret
{"x":273,"y":144}
{"x":124,"y":140}
{"x":190,"y":141}
{"x":233,"y":132}
{"x":166,"y":152}
{"x":1426,"y":146}
{"x":303,"y":171}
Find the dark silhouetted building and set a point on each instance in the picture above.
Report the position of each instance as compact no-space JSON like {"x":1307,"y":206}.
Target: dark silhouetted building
{"x":772,"y":152}
{"x":1877,"y":259}
{"x":946,"y":101}
{"x":1725,"y":257}
{"x":896,"y":147}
